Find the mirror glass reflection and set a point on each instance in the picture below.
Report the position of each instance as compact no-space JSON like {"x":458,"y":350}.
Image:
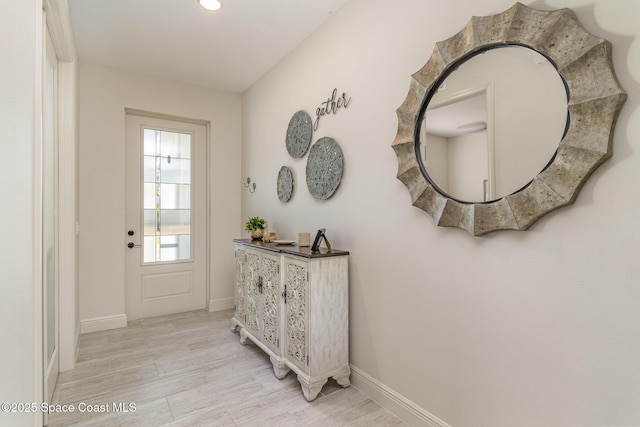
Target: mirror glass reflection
{"x":493,"y":124}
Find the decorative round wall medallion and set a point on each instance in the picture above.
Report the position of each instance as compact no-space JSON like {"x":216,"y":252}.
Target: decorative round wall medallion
{"x":285,"y":184}
{"x":299,"y":134}
{"x":324,"y":168}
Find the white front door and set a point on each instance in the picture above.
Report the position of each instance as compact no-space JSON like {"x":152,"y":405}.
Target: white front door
{"x":166,"y":219}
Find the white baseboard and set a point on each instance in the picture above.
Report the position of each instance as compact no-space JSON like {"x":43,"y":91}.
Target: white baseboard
{"x":394,"y":402}
{"x":103,"y":323}
{"x":221,"y":304}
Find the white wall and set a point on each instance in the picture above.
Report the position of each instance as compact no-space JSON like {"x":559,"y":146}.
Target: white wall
{"x":436,"y":159}
{"x":467,"y":166}
{"x":104,"y":93}
{"x":20,"y":267}
{"x":532,"y":328}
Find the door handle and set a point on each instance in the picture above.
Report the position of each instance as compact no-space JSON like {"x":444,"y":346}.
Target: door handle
{"x":132,"y":245}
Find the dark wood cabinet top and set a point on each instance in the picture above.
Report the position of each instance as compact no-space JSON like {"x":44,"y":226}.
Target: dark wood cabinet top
{"x":292,"y":249}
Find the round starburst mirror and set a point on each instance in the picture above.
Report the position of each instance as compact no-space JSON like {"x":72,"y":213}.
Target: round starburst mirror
{"x":576,"y":132}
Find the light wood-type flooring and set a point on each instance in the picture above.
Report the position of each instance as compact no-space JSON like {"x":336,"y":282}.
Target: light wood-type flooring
{"x":189,"y":369}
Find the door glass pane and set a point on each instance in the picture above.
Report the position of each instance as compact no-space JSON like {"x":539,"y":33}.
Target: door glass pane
{"x":175,"y":196}
{"x":175,"y":221}
{"x":149,"y":244}
{"x":175,"y":247}
{"x":167,"y":196}
{"x":150,"y":169}
{"x":175,"y":145}
{"x":175,"y":171}
{"x":150,"y":222}
{"x":149,"y":195}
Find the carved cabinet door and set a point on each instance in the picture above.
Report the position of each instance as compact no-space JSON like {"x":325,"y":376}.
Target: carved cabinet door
{"x":270,"y":302}
{"x":252,"y":281}
{"x":241,"y":261}
{"x":296,"y":303}
{"x":262,"y":283}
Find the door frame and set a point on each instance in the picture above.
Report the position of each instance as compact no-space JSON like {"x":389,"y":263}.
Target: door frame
{"x":51,"y":367}
{"x":207,"y":125}
{"x":55,"y":15}
{"x":58,"y":20}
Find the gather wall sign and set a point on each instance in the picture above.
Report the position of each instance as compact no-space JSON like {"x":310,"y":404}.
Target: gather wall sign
{"x":331,"y":106}
{"x":325,"y":162}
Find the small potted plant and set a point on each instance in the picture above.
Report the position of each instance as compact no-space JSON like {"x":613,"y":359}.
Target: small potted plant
{"x":255,"y":226}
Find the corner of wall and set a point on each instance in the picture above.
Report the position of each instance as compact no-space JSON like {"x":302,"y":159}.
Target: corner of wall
{"x":221,"y":304}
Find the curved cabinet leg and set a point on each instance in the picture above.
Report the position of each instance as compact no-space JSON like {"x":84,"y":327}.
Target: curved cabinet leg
{"x":243,"y":337}
{"x":279,"y":368}
{"x":342,"y":377}
{"x":311,"y":388}
{"x":234,"y":325}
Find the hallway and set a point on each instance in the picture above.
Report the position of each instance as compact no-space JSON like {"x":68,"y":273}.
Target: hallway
{"x":189,"y":369}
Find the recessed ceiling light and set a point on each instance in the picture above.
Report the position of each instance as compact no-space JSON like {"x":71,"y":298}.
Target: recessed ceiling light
{"x":210,"y":4}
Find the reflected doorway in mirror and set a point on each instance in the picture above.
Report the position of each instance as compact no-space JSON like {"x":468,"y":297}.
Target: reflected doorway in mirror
{"x":522,"y":100}
{"x":457,"y":143}
{"x":584,"y":63}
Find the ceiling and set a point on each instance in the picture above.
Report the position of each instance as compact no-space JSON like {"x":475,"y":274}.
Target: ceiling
{"x":460,"y":117}
{"x":228,"y":50}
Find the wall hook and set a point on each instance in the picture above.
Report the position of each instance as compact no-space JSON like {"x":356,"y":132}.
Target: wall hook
{"x":250,"y":186}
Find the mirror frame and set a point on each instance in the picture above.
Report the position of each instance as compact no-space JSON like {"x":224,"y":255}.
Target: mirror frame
{"x":595,"y":99}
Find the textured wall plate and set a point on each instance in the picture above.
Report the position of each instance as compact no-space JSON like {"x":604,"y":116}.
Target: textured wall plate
{"x":299,"y":134}
{"x":324,"y":168}
{"x":285,"y":184}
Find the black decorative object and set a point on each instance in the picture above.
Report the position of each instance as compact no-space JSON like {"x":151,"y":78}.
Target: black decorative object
{"x":316,"y":242}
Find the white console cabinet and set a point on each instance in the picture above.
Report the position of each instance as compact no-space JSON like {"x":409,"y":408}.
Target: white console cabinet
{"x":294,"y":304}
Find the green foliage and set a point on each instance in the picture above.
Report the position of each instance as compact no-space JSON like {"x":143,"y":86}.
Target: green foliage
{"x":254,"y":223}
